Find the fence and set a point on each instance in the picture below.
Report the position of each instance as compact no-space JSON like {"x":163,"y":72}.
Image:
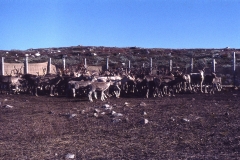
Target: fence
{"x":31,"y":68}
{"x":230,"y":77}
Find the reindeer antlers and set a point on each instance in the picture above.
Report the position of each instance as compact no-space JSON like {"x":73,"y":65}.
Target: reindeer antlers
{"x":17,"y":71}
{"x":9,"y":74}
{"x":44,"y":71}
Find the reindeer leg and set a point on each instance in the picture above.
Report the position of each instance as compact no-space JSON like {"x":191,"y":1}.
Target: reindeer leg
{"x":118,"y":93}
{"x":161,"y":93}
{"x":102,"y":96}
{"x":95,"y":94}
{"x":74,"y":92}
{"x":201,"y":88}
{"x":35,"y":92}
{"x":51,"y":90}
{"x":90,"y":96}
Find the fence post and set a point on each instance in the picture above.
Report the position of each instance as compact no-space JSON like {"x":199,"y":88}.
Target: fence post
{"x":64,"y":63}
{"x":49,"y":66}
{"x":213,"y":65}
{"x":129,"y":65}
{"x":85,"y":62}
{"x":150,"y":65}
{"x":170,"y":65}
{"x":2,"y":65}
{"x":192,"y":64}
{"x":107,"y":63}
{"x":26,"y":65}
{"x":234,"y":69}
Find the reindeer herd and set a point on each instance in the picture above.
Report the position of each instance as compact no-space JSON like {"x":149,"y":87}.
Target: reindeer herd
{"x":119,"y":83}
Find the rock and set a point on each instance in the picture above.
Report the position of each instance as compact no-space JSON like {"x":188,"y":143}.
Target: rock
{"x":51,"y":112}
{"x":8,"y":106}
{"x":227,"y":114}
{"x":144,"y":121}
{"x":107,"y":107}
{"x":173,"y":119}
{"x":72,"y":115}
{"x":95,"y":114}
{"x":144,"y":113}
{"x":70,"y":156}
{"x":116,"y":120}
{"x":97,"y":110}
{"x":113,"y":112}
{"x":186,"y":120}
{"x":83,"y":112}
{"x":117,"y":114}
{"x":142,"y":104}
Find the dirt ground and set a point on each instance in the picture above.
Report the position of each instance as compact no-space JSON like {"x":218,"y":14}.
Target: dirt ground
{"x":187,"y":126}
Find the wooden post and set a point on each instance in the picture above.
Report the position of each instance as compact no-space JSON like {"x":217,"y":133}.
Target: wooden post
{"x":107,"y":62}
{"x":192,"y":64}
{"x":26,"y":65}
{"x":234,"y":69}
{"x":170,"y":65}
{"x":213,"y":65}
{"x":49,"y":66}
{"x":64,"y":63}
{"x":2,"y":66}
{"x":129,"y":65}
{"x":150,"y":65}
{"x":85,"y":62}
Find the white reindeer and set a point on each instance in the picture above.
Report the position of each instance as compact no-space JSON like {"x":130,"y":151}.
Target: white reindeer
{"x":98,"y":86}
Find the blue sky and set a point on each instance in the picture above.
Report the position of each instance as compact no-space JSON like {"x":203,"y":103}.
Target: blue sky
{"x":173,"y":24}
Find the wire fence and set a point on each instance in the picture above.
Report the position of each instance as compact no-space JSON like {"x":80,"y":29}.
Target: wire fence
{"x":228,"y":71}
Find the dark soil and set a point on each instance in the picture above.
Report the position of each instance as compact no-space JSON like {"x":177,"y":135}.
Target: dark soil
{"x":187,"y":126}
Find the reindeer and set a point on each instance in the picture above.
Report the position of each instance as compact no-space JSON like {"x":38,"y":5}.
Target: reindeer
{"x":114,"y":88}
{"x":10,"y":82}
{"x":128,"y":83}
{"x":98,"y":86}
{"x":197,"y":79}
{"x":74,"y":85}
{"x":212,"y":82}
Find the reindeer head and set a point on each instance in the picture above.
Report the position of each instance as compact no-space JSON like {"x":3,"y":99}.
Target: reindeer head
{"x":17,"y":72}
{"x":201,"y":73}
